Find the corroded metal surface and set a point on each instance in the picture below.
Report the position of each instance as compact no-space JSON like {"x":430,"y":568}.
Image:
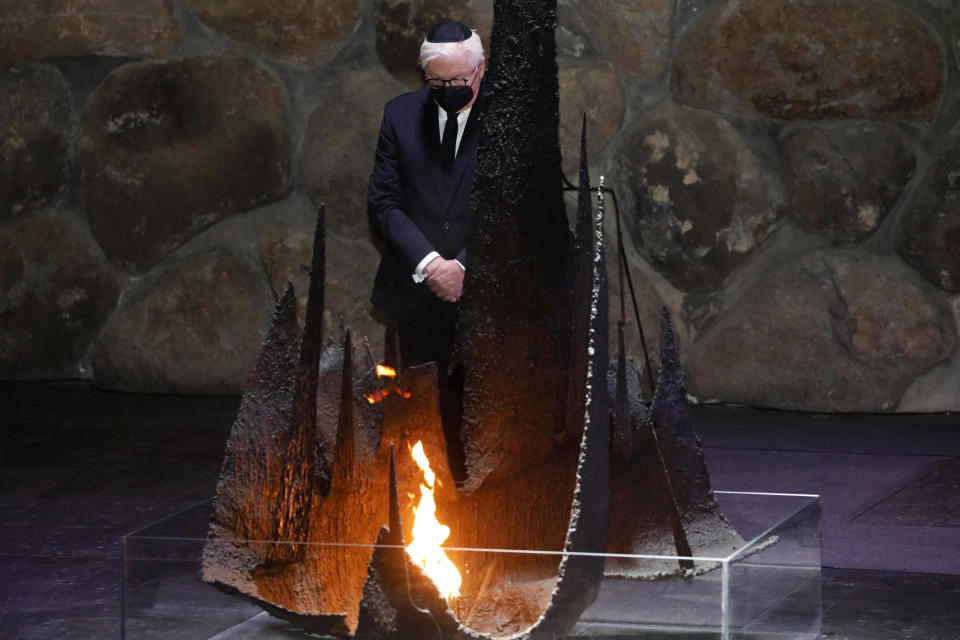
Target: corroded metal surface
{"x":303,"y":467}
{"x":517,"y":287}
{"x":708,"y":532}
{"x":311,"y":461}
{"x":663,"y":504}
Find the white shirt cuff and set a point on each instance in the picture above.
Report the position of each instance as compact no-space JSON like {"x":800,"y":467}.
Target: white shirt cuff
{"x":418,"y":272}
{"x":460,"y":264}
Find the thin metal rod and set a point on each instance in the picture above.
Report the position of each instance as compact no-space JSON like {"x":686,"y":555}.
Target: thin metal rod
{"x":620,"y":268}
{"x":623,"y":268}
{"x":633,"y":299}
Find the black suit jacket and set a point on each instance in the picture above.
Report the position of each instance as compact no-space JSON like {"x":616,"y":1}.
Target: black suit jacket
{"x":413,"y":203}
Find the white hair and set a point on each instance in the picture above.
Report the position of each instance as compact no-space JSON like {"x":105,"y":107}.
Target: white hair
{"x":432,"y":50}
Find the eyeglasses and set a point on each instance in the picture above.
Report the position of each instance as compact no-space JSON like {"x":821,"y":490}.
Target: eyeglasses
{"x":454,"y":82}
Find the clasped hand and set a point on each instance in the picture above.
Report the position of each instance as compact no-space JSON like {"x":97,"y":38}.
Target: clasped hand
{"x":445,"y":279}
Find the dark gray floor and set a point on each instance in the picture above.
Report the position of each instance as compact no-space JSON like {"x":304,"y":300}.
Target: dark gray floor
{"x":79,"y":468}
{"x":889,"y":483}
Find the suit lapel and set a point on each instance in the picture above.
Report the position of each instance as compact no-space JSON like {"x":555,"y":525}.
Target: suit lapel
{"x":431,"y":127}
{"x":431,"y":134}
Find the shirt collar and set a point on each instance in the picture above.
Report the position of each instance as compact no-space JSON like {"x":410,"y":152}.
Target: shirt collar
{"x":461,"y":117}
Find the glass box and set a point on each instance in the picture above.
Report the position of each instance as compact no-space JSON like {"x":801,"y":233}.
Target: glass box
{"x":768,"y":588}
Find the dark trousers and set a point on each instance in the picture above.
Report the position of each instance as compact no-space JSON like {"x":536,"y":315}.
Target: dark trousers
{"x":426,"y":334}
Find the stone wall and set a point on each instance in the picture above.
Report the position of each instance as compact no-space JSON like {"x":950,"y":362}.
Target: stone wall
{"x":786,"y":172}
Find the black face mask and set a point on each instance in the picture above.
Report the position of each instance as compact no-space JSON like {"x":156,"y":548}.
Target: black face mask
{"x":452,"y":99}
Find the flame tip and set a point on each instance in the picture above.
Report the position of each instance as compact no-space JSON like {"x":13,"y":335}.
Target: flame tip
{"x":428,"y":533}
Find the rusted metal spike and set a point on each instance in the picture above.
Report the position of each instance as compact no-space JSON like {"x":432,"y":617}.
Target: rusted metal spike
{"x":378,"y":617}
{"x":344,"y":460}
{"x":585,"y":221}
{"x":258,"y":436}
{"x":517,"y":289}
{"x":313,"y":323}
{"x":665,"y":506}
{"x":670,"y":396}
{"x":378,"y":614}
{"x":669,"y":404}
{"x":640,"y":520}
{"x":393,"y":557}
{"x":263,"y":414}
{"x":303,"y":463}
{"x":273,"y":362}
{"x":706,"y":527}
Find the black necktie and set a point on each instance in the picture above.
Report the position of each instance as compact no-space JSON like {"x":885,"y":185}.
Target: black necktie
{"x":448,"y":144}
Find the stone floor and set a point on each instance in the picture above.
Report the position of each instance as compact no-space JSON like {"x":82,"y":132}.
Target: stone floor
{"x":79,"y":468}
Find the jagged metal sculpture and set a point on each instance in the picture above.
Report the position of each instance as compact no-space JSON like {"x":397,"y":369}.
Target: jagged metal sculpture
{"x":665,"y":506}
{"x":311,"y":461}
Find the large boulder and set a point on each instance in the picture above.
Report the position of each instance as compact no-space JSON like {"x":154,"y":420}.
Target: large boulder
{"x":164,"y":156}
{"x":593,"y":91}
{"x":695,"y":198}
{"x":808,"y":60}
{"x":402,"y":24}
{"x":934,"y":392}
{"x":62,"y":28}
{"x":838,"y":330}
{"x":938,"y":389}
{"x":195,"y":328}
{"x":57,"y":289}
{"x":928,"y":236}
{"x":298,"y":31}
{"x":843,"y":178}
{"x":37,"y":128}
{"x":338,"y":147}
{"x":633,"y":34}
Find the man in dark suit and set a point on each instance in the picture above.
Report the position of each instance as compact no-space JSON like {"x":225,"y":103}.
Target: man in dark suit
{"x":418,"y":205}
